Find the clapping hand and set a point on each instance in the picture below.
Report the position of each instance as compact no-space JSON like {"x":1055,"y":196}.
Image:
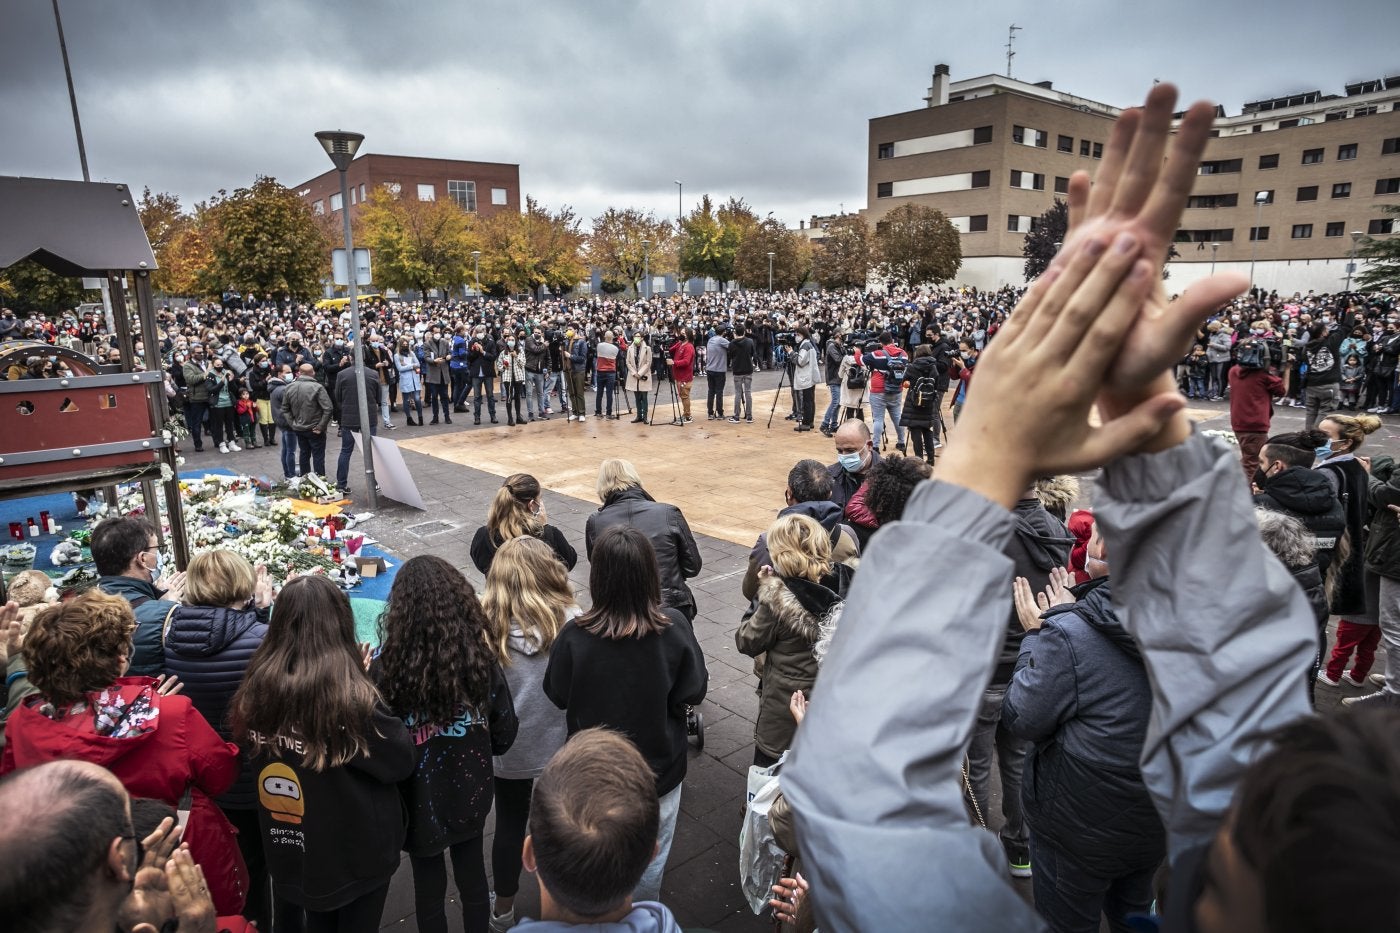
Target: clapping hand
{"x":10,"y":625}
{"x":1058,"y":591}
{"x":262,"y":588}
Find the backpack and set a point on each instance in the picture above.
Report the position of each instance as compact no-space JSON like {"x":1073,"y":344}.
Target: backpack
{"x":857,"y":376}
{"x":924,"y":390}
{"x":895,"y":367}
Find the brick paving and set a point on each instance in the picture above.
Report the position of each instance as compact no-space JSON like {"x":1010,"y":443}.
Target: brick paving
{"x":694,"y":467}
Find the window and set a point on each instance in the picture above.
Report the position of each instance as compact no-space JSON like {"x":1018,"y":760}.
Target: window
{"x":1307,"y":193}
{"x":982,"y":134}
{"x":464,"y":193}
{"x":427,"y":193}
{"x":1388,"y":186}
{"x":1336,"y":228}
{"x":335,"y":203}
{"x":885,"y":151}
{"x":1061,"y":184}
{"x":1258,"y":233}
{"x":362,"y":192}
{"x":1084,"y":147}
{"x":1302,"y":231}
{"x":353,"y":192}
{"x":318,"y":207}
{"x":981,"y":179}
{"x":1213,"y":200}
{"x":1064,"y":144}
{"x":1030,"y":180}
{"x":1015,"y":178}
{"x":1336,"y":115}
{"x":1098,"y":150}
{"x":1286,"y":124}
{"x":1028,"y":136}
{"x":1205,"y":236}
{"x":1390,"y":146}
{"x":884,"y":189}
{"x":977,"y":223}
{"x":1221,"y":167}
{"x":1364,"y":111}
{"x":1018,"y":134}
{"x":1346,"y":152}
{"x":1341,"y":189}
{"x":1312,"y":156}
{"x":1013,"y":223}
{"x":1386,"y":225}
{"x":1268,"y":161}
{"x":500,"y":197}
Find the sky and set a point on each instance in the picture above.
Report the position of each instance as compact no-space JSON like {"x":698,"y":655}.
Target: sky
{"x":608,"y":102}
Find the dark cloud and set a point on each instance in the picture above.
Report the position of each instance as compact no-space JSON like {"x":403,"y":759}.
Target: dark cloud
{"x":607,"y":101}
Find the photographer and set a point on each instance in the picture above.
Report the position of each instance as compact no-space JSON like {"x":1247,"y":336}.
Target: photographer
{"x":804,"y":379}
{"x":681,"y":358}
{"x":832,"y":354}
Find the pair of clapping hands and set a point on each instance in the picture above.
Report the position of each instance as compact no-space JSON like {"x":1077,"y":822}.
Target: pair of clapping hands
{"x":168,"y":885}
{"x":1097,"y":328}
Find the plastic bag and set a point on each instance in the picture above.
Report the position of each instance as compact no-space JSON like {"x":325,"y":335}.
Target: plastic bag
{"x":760,"y":859}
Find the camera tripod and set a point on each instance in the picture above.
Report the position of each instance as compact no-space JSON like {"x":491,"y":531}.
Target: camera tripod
{"x":668,"y":377}
{"x":783,"y":375}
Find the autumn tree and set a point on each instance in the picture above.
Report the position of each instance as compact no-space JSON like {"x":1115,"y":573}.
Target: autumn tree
{"x":917,"y":245}
{"x":421,"y":245}
{"x":615,"y":245}
{"x":1382,"y":257}
{"x":841,"y":258}
{"x":792,"y":257}
{"x":31,"y":287}
{"x":533,"y":249}
{"x":1044,"y":240}
{"x":184,"y":262}
{"x":264,"y":240}
{"x":710,"y":238}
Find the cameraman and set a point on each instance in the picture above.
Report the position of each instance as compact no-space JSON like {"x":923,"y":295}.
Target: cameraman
{"x":1253,"y":388}
{"x":681,"y":358}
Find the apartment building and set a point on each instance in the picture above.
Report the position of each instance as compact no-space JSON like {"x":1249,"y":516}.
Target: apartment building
{"x":1281,"y":188}
{"x":483,"y":188}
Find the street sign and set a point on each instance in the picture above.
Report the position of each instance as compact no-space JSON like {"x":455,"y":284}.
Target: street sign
{"x":340,"y":276}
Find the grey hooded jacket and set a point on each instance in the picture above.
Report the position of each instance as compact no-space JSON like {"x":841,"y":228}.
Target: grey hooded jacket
{"x":873,"y":775}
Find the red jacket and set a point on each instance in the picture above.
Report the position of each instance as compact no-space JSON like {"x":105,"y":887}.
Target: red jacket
{"x":683,"y":361}
{"x":169,"y":747}
{"x":1252,"y":394}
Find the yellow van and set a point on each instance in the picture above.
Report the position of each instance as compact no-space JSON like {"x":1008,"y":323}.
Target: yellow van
{"x":340,"y":304}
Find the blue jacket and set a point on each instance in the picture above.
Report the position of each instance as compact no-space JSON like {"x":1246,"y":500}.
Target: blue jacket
{"x":208,"y":648}
{"x":458,"y":359}
{"x":1080,"y":693}
{"x":578,"y":354}
{"x":147,"y":659}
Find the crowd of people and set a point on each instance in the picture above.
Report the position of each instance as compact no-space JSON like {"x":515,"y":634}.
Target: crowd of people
{"x":1140,"y":674}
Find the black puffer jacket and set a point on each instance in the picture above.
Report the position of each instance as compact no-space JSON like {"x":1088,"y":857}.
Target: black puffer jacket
{"x":1383,"y":544}
{"x":1040,"y":543}
{"x":208,"y":648}
{"x":1307,"y":496}
{"x":1353,"y":491}
{"x":677,"y":556}
{"x":919,"y":401}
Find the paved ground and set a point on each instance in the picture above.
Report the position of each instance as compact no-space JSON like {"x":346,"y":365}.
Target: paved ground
{"x":695,"y":466}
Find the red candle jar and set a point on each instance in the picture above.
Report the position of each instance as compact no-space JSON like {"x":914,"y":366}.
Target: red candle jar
{"x":17,"y":531}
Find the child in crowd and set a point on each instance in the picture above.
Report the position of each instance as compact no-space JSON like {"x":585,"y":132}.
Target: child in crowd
{"x":247,"y":417}
{"x":1353,"y":375}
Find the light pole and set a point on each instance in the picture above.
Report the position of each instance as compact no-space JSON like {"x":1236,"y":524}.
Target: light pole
{"x":1351,"y":263}
{"x":646,"y":270}
{"x":770,"y":273}
{"x":680,"y":189}
{"x":680,"y":283}
{"x":1260,"y":199}
{"x":72,"y":101}
{"x":476,"y":271}
{"x":1214,"y":248}
{"x":341,"y":147}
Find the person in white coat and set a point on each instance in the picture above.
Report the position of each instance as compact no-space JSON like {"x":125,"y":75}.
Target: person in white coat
{"x":805,"y":375}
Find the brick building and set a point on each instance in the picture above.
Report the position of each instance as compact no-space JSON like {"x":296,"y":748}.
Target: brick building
{"x":483,"y":188}
{"x":992,"y":153}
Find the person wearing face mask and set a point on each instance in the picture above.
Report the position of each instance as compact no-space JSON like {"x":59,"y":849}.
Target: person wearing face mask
{"x":195,"y":375}
{"x":510,"y":366}
{"x":410,"y":371}
{"x":1219,"y":344}
{"x":1252,"y":391}
{"x":277,"y":385}
{"x":855,"y":455}
{"x":639,"y":374}
{"x":1385,"y":353}
{"x":518,"y":510}
{"x":128,"y":559}
{"x":260,"y":378}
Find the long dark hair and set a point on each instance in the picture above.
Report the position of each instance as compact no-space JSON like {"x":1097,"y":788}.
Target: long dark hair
{"x":626,"y":586}
{"x":434,"y":657}
{"x":306,"y":682}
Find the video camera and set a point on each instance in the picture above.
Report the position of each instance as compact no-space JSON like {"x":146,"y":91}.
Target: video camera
{"x":785,"y":337}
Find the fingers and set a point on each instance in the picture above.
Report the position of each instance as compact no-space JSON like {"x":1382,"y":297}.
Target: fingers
{"x":1042,"y":601}
{"x":168,"y":685}
{"x":1078,"y":200}
{"x":1119,"y":310}
{"x":1179,"y":320}
{"x":1098,"y":293}
{"x":161,"y":842}
{"x":1162,"y":211}
{"x":1143,"y":163}
{"x":1115,"y":154}
{"x":1129,"y":432}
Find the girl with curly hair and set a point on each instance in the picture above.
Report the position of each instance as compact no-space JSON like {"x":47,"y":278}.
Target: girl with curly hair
{"x":438,"y":673}
{"x":527,"y":601}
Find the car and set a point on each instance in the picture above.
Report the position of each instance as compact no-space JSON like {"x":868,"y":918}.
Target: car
{"x":340,"y":304}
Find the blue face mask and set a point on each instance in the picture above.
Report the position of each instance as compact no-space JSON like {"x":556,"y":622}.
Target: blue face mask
{"x":1324,"y":451}
{"x":851,"y":463}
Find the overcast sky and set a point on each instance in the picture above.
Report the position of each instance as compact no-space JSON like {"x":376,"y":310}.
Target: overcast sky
{"x":606,"y":102}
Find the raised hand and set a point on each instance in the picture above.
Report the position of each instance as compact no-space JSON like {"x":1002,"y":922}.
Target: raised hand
{"x":1057,"y":593}
{"x":1028,"y":605}
{"x":10,"y":625}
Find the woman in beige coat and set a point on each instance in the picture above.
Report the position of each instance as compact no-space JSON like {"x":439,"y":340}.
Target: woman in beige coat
{"x":639,"y":374}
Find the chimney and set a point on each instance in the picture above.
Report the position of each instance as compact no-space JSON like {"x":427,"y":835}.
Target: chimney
{"x":802,"y":225}
{"x":938,"y":92}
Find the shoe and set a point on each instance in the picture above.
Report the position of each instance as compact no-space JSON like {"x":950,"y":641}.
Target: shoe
{"x":476,"y":421}
{"x":1378,"y":699}
{"x":435,"y":421}
{"x":1018,"y":858}
{"x":571,"y":417}
{"x":732,"y":419}
{"x":234,"y":448}
{"x":503,"y":922}
{"x":582,"y":417}
{"x":493,"y":420}
{"x":1354,"y":681}
{"x":199,"y":450}
{"x":790,"y":418}
{"x":1323,"y":678}
{"x":635,"y":421}
{"x":900,"y":448}
{"x":1377,"y":679}
{"x":223,"y":448}
{"x":446,"y":419}
{"x":937,"y":444}
{"x":748,"y":420}
{"x":391,"y":426}
{"x":687,"y":420}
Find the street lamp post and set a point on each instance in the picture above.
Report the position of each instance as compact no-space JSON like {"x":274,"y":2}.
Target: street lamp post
{"x":341,"y":147}
{"x":680,"y":276}
{"x":1214,"y":248}
{"x":770,"y":273}
{"x":476,"y":272}
{"x":1260,"y":199}
{"x":646,"y":270}
{"x":1351,"y":263}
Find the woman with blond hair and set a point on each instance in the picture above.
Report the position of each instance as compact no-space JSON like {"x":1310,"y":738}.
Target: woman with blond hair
{"x":799,"y":592}
{"x":208,"y":641}
{"x":527,"y":600}
{"x":518,"y":510}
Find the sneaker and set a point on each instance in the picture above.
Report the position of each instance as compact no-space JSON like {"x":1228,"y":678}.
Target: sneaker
{"x":582,"y":417}
{"x":1349,"y":678}
{"x":1018,"y":858}
{"x":733,"y":419}
{"x":502,"y":922}
{"x":687,"y":419}
{"x":748,"y":420}
{"x":1377,"y":679}
{"x":1323,"y":678}
{"x":937,"y":444}
{"x":1378,"y":699}
{"x":223,"y":448}
{"x":571,"y":417}
{"x":234,"y":447}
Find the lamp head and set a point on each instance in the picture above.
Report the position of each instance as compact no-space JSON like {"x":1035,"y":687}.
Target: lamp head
{"x":1261,"y":197}
{"x":476,"y":254}
{"x":340,"y":146}
{"x":1356,"y":236}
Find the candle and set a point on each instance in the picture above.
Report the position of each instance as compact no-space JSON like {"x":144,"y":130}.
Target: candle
{"x":33,"y":529}
{"x":17,"y":531}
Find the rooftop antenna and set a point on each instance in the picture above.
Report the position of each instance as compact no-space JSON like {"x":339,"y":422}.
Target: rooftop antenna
{"x":1010,"y":39}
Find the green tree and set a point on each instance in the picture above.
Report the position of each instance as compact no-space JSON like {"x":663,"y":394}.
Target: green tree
{"x":532,"y":250}
{"x":917,"y":245}
{"x":264,"y":240}
{"x":841,"y":259}
{"x":710,"y":238}
{"x":31,"y":287}
{"x":792,"y":257}
{"x":419,"y":245}
{"x":615,"y":245}
{"x":1382,"y":259}
{"x":1045,"y":238}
